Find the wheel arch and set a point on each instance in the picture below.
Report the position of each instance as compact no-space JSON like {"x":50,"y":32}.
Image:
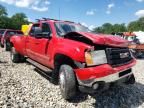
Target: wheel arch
{"x":60,"y":59}
{"x":64,"y":59}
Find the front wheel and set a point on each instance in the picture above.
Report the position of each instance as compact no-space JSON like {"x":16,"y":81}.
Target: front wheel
{"x":130,"y":80}
{"x":67,"y":81}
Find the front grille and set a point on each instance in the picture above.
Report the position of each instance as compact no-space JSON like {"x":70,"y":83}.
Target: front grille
{"x":118,"y":56}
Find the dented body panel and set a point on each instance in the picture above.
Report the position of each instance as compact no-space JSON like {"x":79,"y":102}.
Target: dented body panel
{"x":101,"y":39}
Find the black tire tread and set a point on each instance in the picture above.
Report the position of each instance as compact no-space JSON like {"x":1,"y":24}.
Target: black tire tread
{"x":17,"y":58}
{"x":7,"y":47}
{"x":70,"y":84}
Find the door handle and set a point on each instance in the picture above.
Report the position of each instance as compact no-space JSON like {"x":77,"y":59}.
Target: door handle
{"x":37,"y":43}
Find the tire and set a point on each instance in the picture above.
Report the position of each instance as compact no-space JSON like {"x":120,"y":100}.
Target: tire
{"x":54,"y":78}
{"x":15,"y":56}
{"x":67,"y":81}
{"x":131,"y":80}
{"x":2,"y":46}
{"x":7,"y":46}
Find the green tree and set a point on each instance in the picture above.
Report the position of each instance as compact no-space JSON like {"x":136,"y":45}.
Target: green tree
{"x":18,"y":20}
{"x":3,"y":11}
{"x":141,"y":23}
{"x":5,"y":22}
{"x":98,"y":30}
{"x":107,"y":28}
{"x":119,"y":28}
{"x":136,"y":25}
{"x":133,"y":26}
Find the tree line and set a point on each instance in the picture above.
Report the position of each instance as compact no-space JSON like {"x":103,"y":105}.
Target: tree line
{"x":13,"y":22}
{"x":109,"y":28}
{"x":18,"y":19}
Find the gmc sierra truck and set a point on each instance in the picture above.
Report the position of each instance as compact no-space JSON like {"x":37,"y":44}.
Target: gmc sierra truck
{"x":79,"y":59}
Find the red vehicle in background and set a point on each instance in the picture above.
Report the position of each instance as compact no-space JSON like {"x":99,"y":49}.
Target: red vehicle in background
{"x":79,"y":59}
{"x":135,"y":44}
{"x":7,"y":34}
{"x":1,"y":33}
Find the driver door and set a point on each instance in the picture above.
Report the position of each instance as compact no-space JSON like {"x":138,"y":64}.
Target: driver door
{"x":41,"y":44}
{"x":30,"y":42}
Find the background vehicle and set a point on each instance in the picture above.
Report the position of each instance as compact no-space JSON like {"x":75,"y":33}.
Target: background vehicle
{"x":5,"y":40}
{"x":1,"y":34}
{"x":136,"y":42}
{"x":79,"y":59}
{"x":140,"y":36}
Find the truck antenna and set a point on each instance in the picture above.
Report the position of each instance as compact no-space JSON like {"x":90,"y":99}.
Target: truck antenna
{"x":59,"y":13}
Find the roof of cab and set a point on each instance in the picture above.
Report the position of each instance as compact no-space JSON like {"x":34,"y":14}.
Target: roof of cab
{"x":52,"y":20}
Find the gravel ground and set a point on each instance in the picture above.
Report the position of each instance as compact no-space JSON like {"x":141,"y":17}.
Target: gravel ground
{"x":21,"y":86}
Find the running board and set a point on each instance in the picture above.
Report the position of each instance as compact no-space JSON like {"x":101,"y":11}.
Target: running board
{"x":38,"y":65}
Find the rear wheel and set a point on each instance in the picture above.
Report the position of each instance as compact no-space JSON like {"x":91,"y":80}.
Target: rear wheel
{"x":2,"y":46}
{"x":67,"y":81}
{"x":15,"y":56}
{"x":7,"y":46}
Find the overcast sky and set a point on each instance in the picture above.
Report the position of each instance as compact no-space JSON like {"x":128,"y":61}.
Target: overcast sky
{"x":88,"y":12}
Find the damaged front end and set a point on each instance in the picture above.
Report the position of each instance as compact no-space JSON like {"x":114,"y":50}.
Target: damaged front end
{"x":97,"y":39}
{"x":104,"y":49}
{"x":107,"y":62}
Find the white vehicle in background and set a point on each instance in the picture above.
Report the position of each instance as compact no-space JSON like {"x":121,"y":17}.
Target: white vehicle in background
{"x":137,"y":44}
{"x":140,"y":36}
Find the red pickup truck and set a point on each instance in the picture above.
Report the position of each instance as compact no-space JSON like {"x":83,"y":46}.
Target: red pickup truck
{"x":5,"y":38}
{"x":1,"y":33}
{"x":79,"y":59}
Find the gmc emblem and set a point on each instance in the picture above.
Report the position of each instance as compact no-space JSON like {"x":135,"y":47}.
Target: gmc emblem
{"x":124,"y":55}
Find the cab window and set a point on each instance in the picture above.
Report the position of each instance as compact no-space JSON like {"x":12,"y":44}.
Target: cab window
{"x":46,"y":31}
{"x":33,"y":28}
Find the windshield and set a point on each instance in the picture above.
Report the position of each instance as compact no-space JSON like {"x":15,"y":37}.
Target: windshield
{"x":2,"y":32}
{"x":64,"y":28}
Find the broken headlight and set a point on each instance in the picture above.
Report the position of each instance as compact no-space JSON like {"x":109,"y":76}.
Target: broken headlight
{"x":95,"y":57}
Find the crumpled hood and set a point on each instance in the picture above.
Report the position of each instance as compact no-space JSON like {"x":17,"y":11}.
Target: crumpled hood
{"x":105,"y":39}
